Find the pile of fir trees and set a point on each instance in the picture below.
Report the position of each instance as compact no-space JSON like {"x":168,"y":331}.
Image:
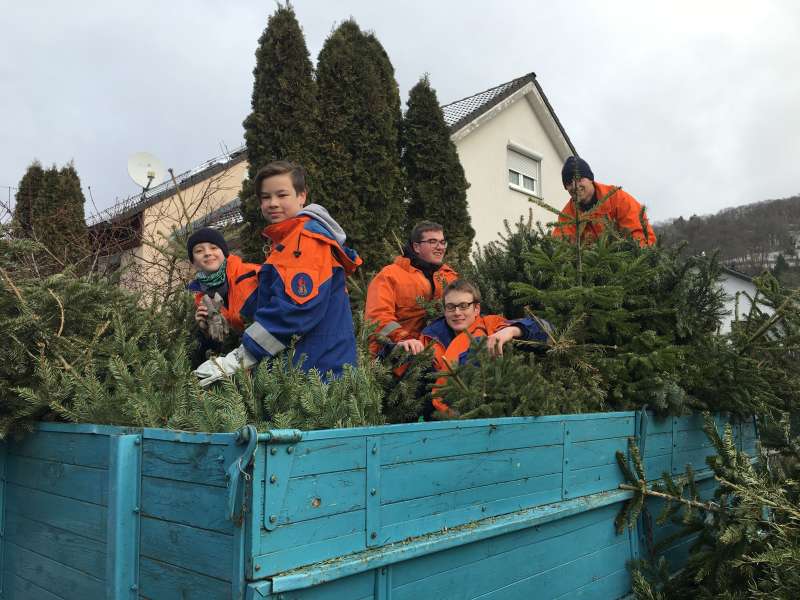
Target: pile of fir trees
{"x":633,"y":327}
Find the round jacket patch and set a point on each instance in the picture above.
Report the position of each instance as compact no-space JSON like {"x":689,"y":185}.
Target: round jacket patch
{"x":302,"y":284}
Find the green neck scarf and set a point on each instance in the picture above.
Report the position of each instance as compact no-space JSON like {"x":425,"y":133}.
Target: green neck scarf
{"x":215,"y":279}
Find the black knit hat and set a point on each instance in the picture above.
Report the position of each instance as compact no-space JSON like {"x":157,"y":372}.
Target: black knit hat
{"x":206,"y":234}
{"x":568,"y":172}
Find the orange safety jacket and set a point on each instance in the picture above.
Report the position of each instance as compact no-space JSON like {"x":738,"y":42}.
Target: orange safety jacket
{"x":450,"y":350}
{"x":242,"y":284}
{"x":620,"y":208}
{"x":392,"y":299}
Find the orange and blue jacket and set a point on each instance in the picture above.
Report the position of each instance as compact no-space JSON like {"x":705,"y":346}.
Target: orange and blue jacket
{"x":242,"y":282}
{"x":301,"y":292}
{"x":620,"y":208}
{"x":392,"y":299}
{"x":451,"y":349}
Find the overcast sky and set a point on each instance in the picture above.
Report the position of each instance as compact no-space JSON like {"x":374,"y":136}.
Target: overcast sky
{"x":691,"y":106}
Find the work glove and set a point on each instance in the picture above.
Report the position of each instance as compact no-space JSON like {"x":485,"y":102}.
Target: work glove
{"x":218,"y":367}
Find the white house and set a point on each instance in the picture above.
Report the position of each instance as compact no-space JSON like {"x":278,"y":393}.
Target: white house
{"x":512,"y":146}
{"x":740,"y":291}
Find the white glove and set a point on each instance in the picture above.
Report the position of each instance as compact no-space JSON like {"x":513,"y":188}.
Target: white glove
{"x":216,"y":368}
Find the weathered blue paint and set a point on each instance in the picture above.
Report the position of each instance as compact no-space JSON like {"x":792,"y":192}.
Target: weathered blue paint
{"x":2,"y":513}
{"x":492,"y":508}
{"x":122,"y":531}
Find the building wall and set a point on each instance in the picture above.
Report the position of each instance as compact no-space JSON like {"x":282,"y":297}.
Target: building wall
{"x":483,"y":154}
{"x":733,"y":285}
{"x":151,"y":268}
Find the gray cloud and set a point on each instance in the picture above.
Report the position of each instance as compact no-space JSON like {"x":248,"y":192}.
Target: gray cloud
{"x":691,"y":106}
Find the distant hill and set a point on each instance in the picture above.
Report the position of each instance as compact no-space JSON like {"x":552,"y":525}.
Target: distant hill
{"x":750,"y":238}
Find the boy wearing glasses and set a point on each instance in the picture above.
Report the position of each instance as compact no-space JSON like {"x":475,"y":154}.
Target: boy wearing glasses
{"x":392,"y":294}
{"x":451,"y":334}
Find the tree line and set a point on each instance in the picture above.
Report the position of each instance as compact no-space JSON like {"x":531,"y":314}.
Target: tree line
{"x":751,"y":238}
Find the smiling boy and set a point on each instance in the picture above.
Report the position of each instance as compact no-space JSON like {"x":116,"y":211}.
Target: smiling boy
{"x":392,"y":294}
{"x":301,"y":285}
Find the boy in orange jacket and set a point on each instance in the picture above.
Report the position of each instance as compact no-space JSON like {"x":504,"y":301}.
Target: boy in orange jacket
{"x":226,"y":280}
{"x":301,"y":285}
{"x":620,"y":207}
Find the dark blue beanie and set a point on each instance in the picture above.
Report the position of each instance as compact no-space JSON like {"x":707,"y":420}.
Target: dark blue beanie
{"x":568,"y":172}
{"x":207,"y":234}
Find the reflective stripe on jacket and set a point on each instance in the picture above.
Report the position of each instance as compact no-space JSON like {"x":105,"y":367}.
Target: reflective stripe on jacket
{"x":301,"y":292}
{"x":392,"y":299}
{"x":620,"y":208}
{"x":242,"y":284}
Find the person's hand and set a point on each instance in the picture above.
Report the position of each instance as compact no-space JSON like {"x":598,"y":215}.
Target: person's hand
{"x":201,"y":316}
{"x":411,"y":346}
{"x":216,"y":368}
{"x":498,"y":339}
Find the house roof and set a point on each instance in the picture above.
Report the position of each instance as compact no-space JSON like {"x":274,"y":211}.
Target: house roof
{"x":138,"y":202}
{"x":459,"y":113}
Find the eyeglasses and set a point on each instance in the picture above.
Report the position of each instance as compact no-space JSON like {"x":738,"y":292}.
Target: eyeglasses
{"x":434,"y":242}
{"x":462,"y":306}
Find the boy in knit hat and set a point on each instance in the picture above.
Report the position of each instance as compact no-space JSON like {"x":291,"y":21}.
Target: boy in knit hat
{"x":224,"y":287}
{"x":619,"y":208}
{"x":301,"y":285}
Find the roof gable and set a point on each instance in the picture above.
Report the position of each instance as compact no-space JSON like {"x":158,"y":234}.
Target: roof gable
{"x":460,"y":113}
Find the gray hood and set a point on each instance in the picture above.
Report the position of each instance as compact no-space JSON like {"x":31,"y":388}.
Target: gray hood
{"x":320,"y":213}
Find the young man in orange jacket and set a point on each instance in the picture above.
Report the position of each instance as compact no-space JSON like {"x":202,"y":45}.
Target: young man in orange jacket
{"x":451,"y":334}
{"x":301,"y":285}
{"x":226,"y":279}
{"x":620,"y":207}
{"x":392,"y":294}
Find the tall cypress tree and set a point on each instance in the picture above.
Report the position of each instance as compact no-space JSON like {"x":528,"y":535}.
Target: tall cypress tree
{"x":360,"y":178}
{"x":49,"y":209}
{"x":29,"y":188}
{"x":435,"y":181}
{"x":282,"y":124}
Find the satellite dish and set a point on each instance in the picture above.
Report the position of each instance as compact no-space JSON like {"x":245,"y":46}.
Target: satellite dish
{"x":146,"y":170}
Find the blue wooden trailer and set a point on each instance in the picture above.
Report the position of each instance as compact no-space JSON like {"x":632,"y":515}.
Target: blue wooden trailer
{"x":485,"y":509}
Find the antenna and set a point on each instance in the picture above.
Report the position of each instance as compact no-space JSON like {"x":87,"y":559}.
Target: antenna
{"x":146,"y":170}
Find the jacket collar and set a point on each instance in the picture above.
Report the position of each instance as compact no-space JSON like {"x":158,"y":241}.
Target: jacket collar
{"x":277,"y":232}
{"x":441,"y":332}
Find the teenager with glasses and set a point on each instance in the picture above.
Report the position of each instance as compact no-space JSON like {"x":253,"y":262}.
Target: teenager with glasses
{"x":451,"y":334}
{"x":392,"y":294}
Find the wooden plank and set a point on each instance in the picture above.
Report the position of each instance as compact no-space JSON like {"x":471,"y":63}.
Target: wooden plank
{"x":65,"y":547}
{"x":690,"y":440}
{"x":596,"y":452}
{"x":207,"y":552}
{"x":79,"y":517}
{"x":475,"y":496}
{"x":194,"y":463}
{"x":355,"y":587}
{"x":293,"y":535}
{"x":593,"y":480}
{"x":657,"y":444}
{"x":326,"y":456}
{"x":592,"y":428}
{"x":72,"y":448}
{"x":696,"y":458}
{"x":291,"y":557}
{"x":426,"y":478}
{"x":561,"y":581}
{"x":534,"y":541}
{"x":692,"y":422}
{"x":313,"y":497}
{"x":656,"y":425}
{"x":425,"y":445}
{"x":158,"y":580}
{"x":63,"y":479}
{"x":461,"y":516}
{"x":52,"y":576}
{"x":615,"y":585}
{"x":191,"y":504}
{"x":656,"y":466}
{"x":490,"y":571}
{"x":17,"y":588}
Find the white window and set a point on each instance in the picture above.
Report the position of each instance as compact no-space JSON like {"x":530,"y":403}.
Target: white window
{"x":523,"y":172}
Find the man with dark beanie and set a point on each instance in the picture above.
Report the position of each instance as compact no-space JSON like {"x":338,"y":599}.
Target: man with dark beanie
{"x":419,"y":273}
{"x":224,"y":286}
{"x":619,"y":207}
